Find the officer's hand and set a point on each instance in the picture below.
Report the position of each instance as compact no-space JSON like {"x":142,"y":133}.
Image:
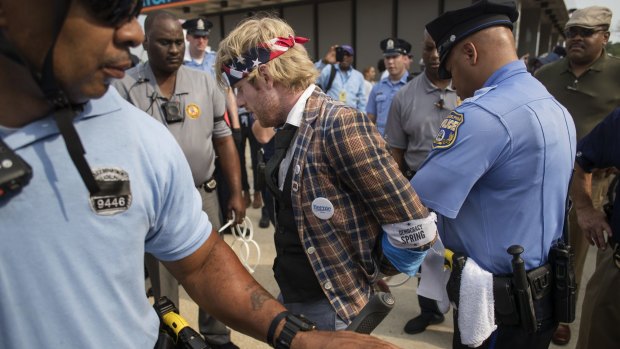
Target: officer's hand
{"x":338,"y":340}
{"x":594,"y":225}
{"x":330,"y":56}
{"x":236,"y":205}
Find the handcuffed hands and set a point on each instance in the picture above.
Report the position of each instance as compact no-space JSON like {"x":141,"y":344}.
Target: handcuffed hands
{"x":405,"y":244}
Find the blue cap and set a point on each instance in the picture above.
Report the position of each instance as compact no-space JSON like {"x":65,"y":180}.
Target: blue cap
{"x":454,"y":26}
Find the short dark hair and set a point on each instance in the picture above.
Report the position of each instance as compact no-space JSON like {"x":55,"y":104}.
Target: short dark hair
{"x":148,"y":22}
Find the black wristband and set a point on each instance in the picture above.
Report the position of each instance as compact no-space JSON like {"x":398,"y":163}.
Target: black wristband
{"x":274,"y":325}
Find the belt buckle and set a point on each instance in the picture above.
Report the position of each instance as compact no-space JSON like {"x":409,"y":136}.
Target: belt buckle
{"x":210,"y":185}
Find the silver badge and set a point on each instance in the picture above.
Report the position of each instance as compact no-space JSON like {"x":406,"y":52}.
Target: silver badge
{"x":390,"y":44}
{"x":200,"y":24}
{"x":114,"y":195}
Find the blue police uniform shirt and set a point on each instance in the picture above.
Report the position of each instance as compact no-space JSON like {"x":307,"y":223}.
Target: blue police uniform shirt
{"x":208,"y":62}
{"x":601,"y":149}
{"x":499,"y":171}
{"x":72,"y":276}
{"x":380,"y":99}
{"x":347,"y":87}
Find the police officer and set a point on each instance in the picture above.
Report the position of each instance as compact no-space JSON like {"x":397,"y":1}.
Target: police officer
{"x":199,"y":54}
{"x":416,"y":112}
{"x":586,"y":83}
{"x":396,"y":56}
{"x":501,"y":162}
{"x":191,"y":105}
{"x":599,"y":150}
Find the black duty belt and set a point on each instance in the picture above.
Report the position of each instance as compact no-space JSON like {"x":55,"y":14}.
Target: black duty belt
{"x":209,"y":186}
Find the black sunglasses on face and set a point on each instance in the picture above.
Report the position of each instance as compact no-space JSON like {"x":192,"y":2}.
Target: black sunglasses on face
{"x":583,"y":32}
{"x":114,"y":12}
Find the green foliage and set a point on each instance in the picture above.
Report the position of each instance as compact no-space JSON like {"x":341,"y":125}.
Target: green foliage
{"x":613,"y":48}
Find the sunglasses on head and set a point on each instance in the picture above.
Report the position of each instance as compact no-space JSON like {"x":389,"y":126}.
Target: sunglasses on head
{"x":114,"y":12}
{"x":583,"y":32}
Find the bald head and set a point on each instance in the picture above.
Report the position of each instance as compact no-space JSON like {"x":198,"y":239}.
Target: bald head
{"x":475,"y":58}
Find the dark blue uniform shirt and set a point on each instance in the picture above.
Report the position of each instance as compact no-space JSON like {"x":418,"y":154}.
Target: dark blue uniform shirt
{"x":601,"y":149}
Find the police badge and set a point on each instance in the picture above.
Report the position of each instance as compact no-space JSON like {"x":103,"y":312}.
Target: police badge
{"x":448,"y":130}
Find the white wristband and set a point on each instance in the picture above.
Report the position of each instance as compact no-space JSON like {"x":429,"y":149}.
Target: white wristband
{"x":416,"y":233}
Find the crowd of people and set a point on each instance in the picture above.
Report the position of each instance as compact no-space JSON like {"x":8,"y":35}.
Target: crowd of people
{"x":112,"y":171}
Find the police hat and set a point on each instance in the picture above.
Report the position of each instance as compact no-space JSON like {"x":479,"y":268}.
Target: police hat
{"x":454,"y":26}
{"x":394,"y":47}
{"x":197,"y":26}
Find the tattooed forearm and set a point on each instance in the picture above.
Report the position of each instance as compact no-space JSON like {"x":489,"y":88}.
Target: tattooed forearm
{"x":258,"y":296}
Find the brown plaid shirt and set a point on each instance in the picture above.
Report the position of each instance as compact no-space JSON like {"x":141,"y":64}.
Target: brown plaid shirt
{"x":339,"y":155}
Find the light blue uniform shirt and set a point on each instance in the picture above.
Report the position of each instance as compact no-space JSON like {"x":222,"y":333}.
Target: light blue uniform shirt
{"x":208,"y":63}
{"x":380,"y":99}
{"x":73,"y":278}
{"x":499,"y":171}
{"x":347,"y":85}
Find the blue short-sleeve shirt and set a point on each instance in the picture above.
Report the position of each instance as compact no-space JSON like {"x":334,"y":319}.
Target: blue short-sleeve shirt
{"x":380,"y":99}
{"x":73,"y":276}
{"x":499,"y":171}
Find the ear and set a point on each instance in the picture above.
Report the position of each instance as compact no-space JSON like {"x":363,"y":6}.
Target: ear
{"x":605,"y":37}
{"x":263,"y":72}
{"x":470,"y":52}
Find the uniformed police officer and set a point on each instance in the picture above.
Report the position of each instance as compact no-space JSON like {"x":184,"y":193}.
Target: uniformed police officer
{"x":501,"y":162}
{"x":396,"y":57}
{"x":586,"y":83}
{"x":198,"y":54}
{"x":191,"y":105}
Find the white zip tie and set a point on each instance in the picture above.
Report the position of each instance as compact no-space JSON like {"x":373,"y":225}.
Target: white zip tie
{"x":244,"y":237}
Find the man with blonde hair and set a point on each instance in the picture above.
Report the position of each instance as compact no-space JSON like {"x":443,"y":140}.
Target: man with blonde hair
{"x":331,"y":210}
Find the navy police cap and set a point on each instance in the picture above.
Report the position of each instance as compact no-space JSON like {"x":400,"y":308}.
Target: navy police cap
{"x":453,"y":26}
{"x":394,"y":46}
{"x":197,"y":26}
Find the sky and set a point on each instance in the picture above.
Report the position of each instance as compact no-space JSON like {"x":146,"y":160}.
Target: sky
{"x":613,"y":5}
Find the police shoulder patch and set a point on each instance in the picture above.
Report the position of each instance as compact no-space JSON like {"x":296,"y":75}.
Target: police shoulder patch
{"x":448,"y":130}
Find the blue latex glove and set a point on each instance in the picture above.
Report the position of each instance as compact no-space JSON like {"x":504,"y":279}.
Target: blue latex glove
{"x":405,"y":260}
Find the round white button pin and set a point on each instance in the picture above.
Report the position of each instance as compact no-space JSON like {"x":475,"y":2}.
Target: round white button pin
{"x":322,"y":208}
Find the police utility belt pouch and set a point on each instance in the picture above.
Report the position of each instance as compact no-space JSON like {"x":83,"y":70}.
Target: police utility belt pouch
{"x":564,"y":283}
{"x":506,"y":303}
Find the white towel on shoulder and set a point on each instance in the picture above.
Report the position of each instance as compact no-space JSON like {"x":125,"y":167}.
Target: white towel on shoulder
{"x":476,"y":308}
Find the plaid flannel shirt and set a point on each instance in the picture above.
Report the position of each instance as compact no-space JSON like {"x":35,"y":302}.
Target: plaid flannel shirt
{"x":339,"y":155}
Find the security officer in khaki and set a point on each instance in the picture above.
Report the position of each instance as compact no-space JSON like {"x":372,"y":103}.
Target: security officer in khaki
{"x":191,"y":105}
{"x":586,"y":82}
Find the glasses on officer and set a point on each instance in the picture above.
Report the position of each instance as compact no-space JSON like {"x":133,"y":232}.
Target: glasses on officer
{"x":582,"y":32}
{"x":114,"y":12}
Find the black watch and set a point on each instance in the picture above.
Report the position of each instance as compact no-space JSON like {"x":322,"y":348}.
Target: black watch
{"x":293,"y":324}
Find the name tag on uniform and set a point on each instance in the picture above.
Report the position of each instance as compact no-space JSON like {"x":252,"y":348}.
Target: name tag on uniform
{"x":343,"y":96}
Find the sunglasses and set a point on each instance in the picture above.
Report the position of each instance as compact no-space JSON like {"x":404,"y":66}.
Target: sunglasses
{"x":583,"y":32}
{"x":114,"y":12}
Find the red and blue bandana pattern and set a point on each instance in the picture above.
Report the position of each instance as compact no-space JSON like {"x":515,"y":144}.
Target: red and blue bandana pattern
{"x":239,"y":67}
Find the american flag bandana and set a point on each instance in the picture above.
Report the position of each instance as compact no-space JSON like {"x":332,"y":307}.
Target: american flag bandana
{"x":239,"y":67}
